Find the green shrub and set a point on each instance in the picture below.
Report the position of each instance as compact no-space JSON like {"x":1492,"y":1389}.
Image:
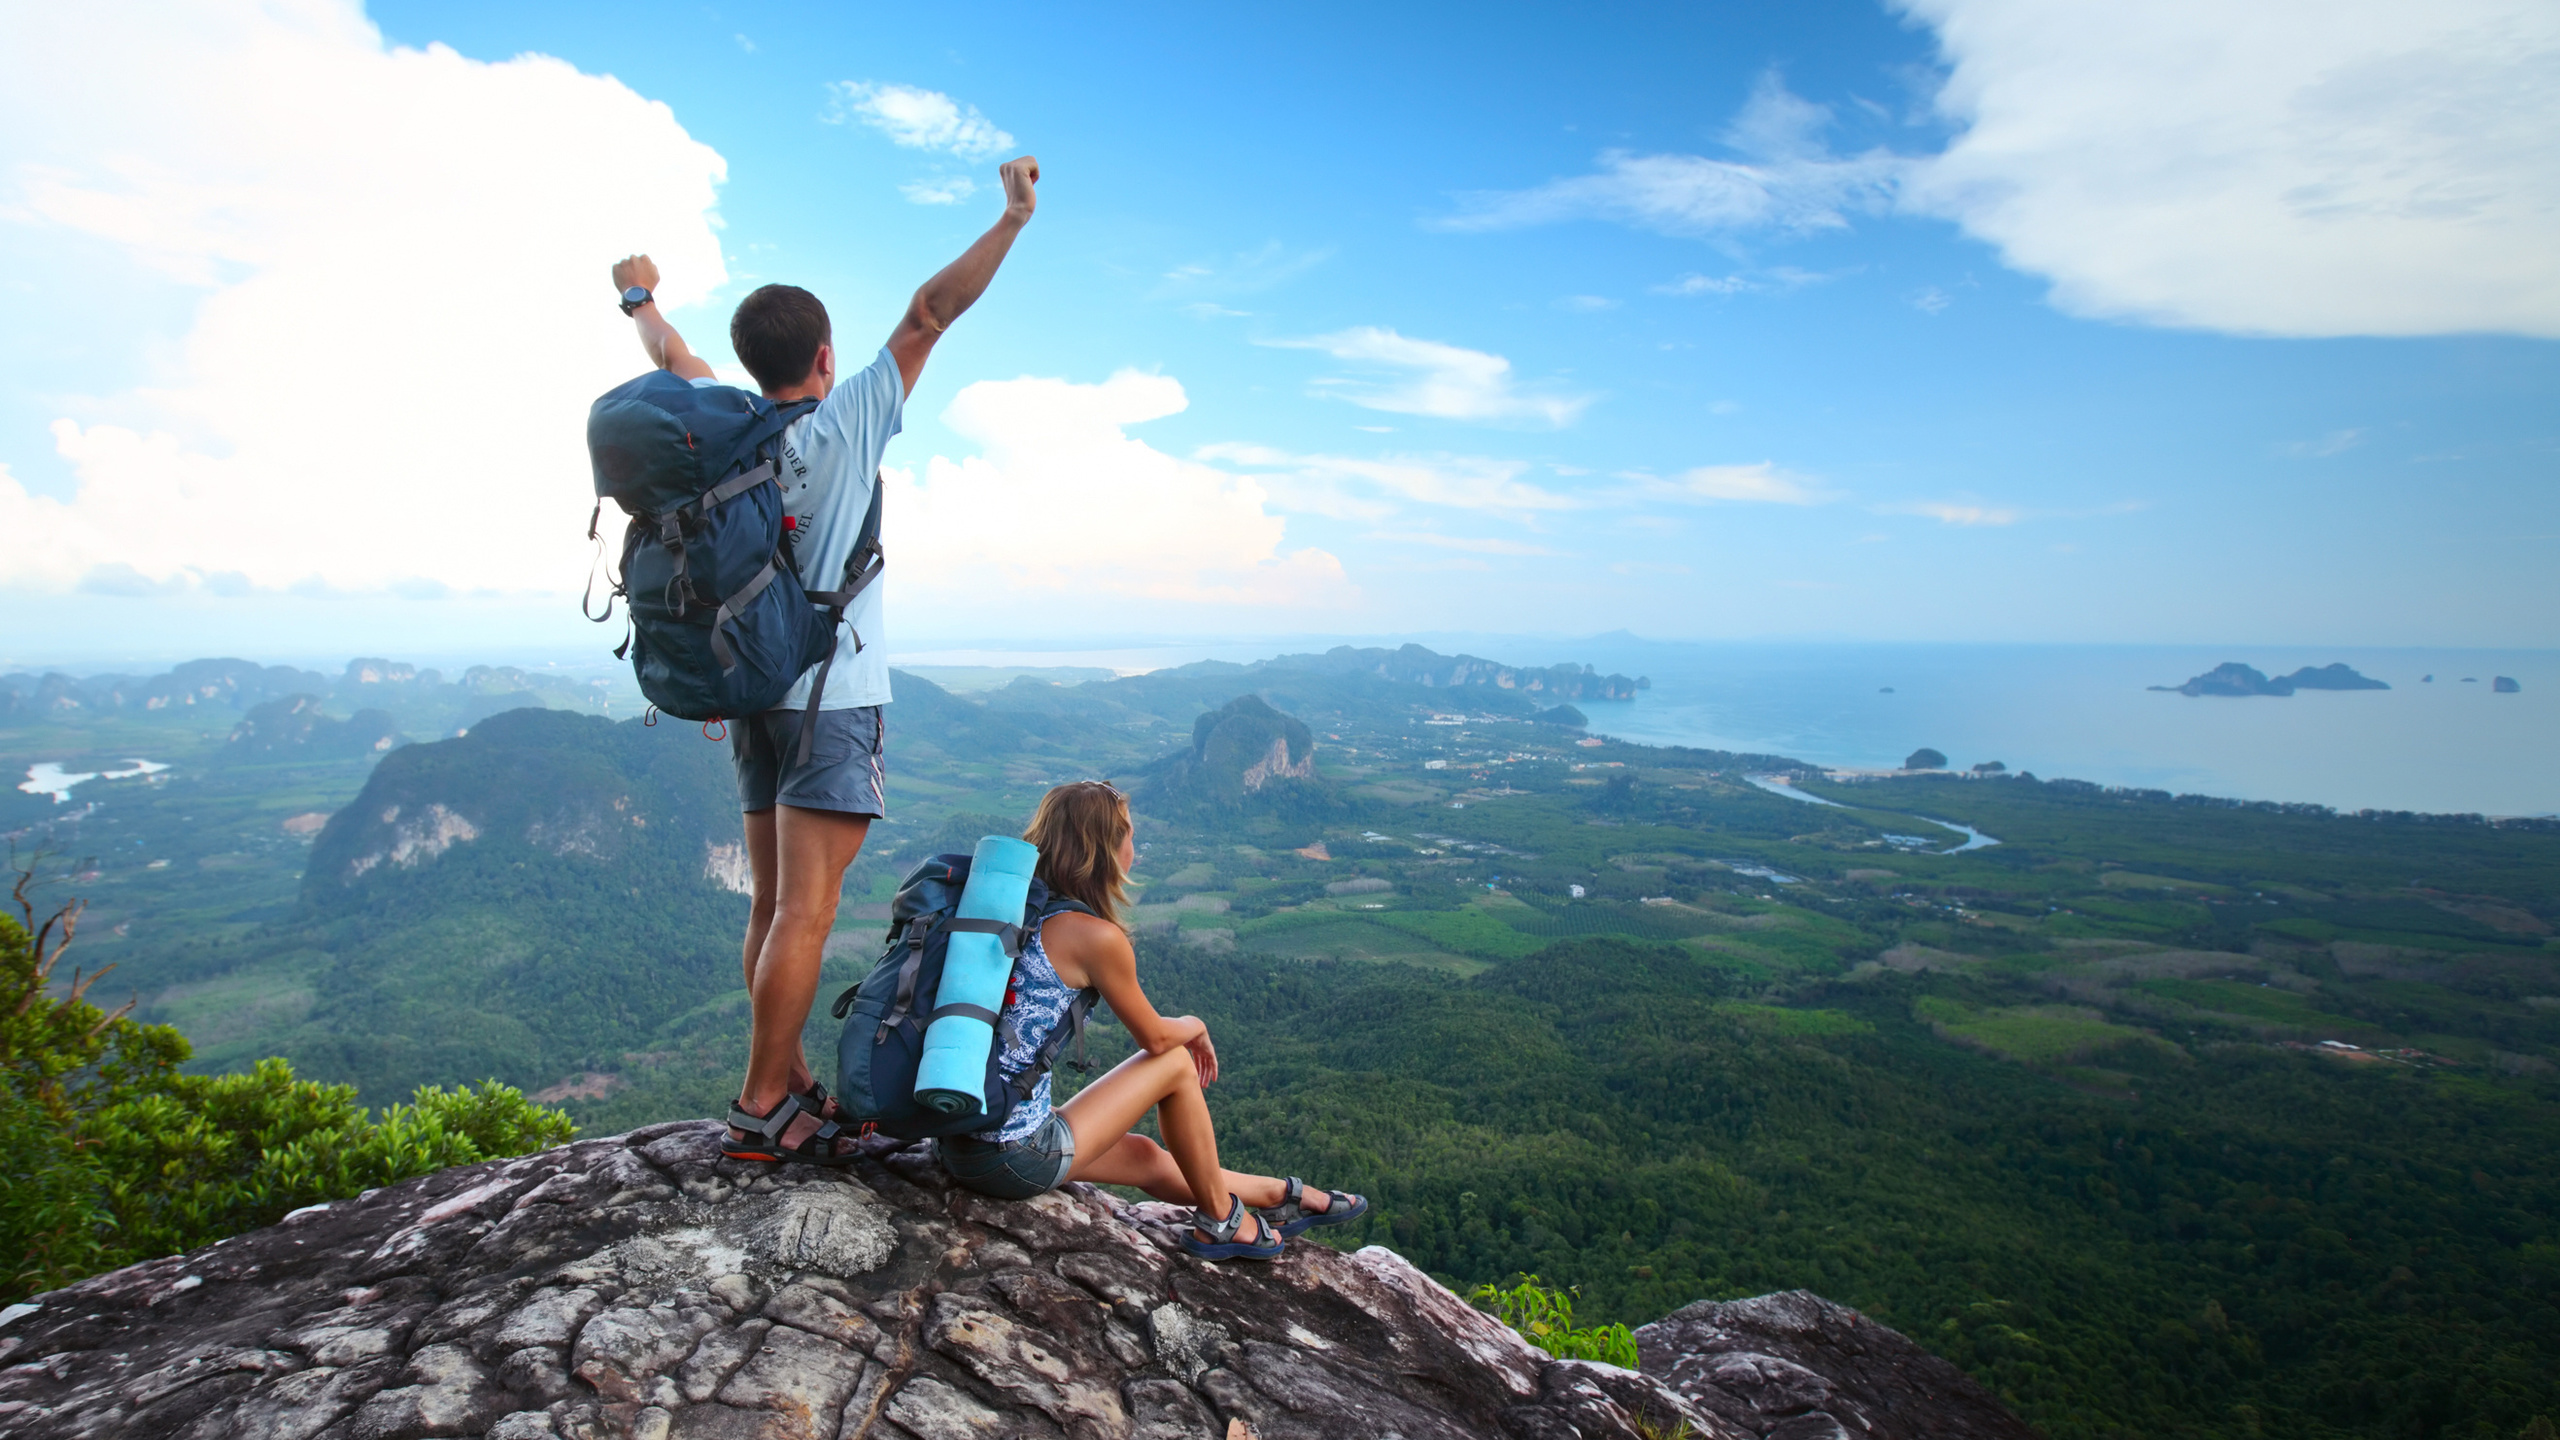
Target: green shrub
{"x":114,"y":1156}
{"x":1545,"y":1318}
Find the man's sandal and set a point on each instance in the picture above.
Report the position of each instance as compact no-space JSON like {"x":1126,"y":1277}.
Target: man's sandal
{"x":1222,"y":1243}
{"x":1295,"y":1220}
{"x":815,"y":1099}
{"x":764,"y":1135}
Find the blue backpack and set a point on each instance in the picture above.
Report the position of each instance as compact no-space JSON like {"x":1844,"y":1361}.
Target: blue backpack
{"x":721,"y":623}
{"x":885,"y":1012}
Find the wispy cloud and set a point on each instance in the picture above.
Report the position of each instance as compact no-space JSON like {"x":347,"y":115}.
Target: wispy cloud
{"x":2336,"y":442}
{"x":1448,"y":382}
{"x":1349,"y":487}
{"x":1763,"y":484}
{"x":1694,"y":284}
{"x":1951,"y":512}
{"x":1787,"y":180}
{"x":918,"y":119}
{"x":1247,"y":272}
{"x":1777,"y":279}
{"x":941,"y":190}
{"x":1585,"y":303}
{"x":1475,"y":544}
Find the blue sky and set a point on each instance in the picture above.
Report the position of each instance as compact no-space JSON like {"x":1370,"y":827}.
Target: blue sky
{"x":1973,"y":320}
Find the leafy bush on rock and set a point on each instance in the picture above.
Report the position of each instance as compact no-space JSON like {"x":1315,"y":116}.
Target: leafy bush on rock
{"x":113,"y":1155}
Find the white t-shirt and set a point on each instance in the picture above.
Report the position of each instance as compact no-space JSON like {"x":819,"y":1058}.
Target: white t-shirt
{"x":830,"y":461}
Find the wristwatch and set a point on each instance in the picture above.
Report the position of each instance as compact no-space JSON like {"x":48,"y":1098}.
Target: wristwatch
{"x":634,"y":298}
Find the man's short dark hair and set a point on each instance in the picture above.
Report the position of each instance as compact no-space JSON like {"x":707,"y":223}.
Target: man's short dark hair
{"x":776,"y":334}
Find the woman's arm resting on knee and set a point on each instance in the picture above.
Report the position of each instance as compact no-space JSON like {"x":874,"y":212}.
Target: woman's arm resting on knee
{"x":1101,"y":950}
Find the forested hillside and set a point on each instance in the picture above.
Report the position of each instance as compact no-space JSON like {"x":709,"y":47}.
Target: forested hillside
{"x":2165,"y":1116}
{"x":2255,"y":1242}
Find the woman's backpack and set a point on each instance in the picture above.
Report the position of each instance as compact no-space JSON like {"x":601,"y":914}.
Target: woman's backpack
{"x":885,"y":1013}
{"x":721,"y":624}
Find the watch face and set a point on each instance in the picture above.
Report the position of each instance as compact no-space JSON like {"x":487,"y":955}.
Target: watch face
{"x":635,"y":296}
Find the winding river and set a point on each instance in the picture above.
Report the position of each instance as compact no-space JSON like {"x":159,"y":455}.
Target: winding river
{"x":1973,"y":839}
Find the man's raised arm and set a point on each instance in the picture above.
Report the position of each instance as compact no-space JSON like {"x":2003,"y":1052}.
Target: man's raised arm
{"x":960,"y":283}
{"x":666,"y":349}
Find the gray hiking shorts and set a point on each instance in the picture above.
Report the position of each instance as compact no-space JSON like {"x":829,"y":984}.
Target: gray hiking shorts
{"x":1012,"y":1169}
{"x":843,"y":773}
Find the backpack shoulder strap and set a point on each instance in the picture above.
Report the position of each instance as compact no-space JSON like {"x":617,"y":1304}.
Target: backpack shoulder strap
{"x":1044,"y":1059}
{"x":860,"y":568}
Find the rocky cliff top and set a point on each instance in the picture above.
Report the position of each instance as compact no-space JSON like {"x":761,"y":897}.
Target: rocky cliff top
{"x":642,"y":1285}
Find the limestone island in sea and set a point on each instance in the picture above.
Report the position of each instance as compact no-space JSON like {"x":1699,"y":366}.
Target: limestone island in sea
{"x":2233,"y":678}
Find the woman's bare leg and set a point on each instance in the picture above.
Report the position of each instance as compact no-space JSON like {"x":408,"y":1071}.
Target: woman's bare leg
{"x":1185,"y":1169}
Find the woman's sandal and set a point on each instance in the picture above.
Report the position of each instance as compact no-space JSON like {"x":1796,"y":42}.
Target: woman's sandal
{"x":1222,"y":1243}
{"x":764,"y":1134}
{"x":1295,"y":1220}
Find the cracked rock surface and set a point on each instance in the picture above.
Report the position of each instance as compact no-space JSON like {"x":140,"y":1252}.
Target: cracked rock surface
{"x":641,"y":1285}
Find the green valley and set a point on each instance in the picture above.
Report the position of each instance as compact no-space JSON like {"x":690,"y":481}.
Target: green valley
{"x":2162,"y":1115}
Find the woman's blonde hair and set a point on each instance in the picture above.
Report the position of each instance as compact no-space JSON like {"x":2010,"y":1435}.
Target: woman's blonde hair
{"x":1079,"y":828}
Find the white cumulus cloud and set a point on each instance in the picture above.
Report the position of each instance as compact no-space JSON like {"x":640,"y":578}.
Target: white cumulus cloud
{"x":918,"y":119}
{"x":2286,"y":167}
{"x":1062,"y":503}
{"x":1425,"y":377}
{"x":404,"y":303}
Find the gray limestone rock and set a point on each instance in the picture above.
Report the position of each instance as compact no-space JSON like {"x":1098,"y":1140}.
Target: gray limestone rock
{"x":1794,"y":1366}
{"x":644,"y":1286}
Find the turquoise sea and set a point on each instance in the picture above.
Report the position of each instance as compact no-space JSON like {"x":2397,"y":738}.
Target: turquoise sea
{"x":2078,"y":711}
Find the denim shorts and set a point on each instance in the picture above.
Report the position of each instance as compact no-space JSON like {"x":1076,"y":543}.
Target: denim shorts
{"x":843,"y":773}
{"x":1012,"y":1169}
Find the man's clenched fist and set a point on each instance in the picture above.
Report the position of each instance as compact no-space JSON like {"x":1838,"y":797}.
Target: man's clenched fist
{"x":637,"y":270}
{"x":1019,"y":176}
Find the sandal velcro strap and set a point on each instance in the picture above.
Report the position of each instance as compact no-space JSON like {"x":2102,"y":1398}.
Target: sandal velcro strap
{"x":1223,"y":1243}
{"x":818,"y":1149}
{"x":1291,"y":1218}
{"x":770,"y":1126}
{"x":1221,"y":1232}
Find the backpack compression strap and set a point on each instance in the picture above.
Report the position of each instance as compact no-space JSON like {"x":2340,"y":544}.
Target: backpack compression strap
{"x":920,"y":934}
{"x":730,"y":610}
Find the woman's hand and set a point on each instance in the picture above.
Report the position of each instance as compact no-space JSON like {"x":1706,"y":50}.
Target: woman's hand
{"x":1204,"y":1056}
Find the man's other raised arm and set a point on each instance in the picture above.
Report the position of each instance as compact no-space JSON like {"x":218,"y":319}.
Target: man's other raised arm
{"x":961,"y":282}
{"x":666,"y":349}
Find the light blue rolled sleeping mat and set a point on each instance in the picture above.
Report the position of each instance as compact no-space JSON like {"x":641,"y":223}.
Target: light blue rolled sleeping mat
{"x":951,"y":1077}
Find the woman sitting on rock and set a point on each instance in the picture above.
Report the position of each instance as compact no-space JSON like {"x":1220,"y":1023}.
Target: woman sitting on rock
{"x":1087,"y":847}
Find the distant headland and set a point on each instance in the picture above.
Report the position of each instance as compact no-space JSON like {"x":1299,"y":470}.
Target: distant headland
{"x":2233,"y":678}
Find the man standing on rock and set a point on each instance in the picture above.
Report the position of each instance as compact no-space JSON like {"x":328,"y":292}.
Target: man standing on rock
{"x":806,"y":820}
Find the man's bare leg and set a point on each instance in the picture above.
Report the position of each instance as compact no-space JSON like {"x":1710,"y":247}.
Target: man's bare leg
{"x":760,"y":861}
{"x":798,"y":858}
